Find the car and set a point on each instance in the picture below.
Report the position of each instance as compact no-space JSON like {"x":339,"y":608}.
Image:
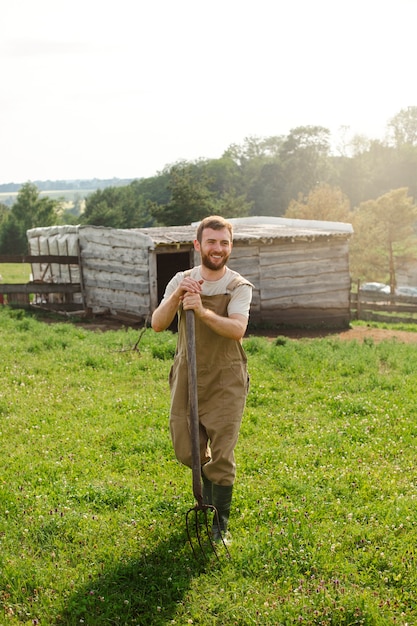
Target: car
{"x":379,"y":287}
{"x":386,"y":289}
{"x":407,"y":291}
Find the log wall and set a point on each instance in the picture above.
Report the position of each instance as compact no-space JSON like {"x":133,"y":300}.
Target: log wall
{"x":115,"y":266}
{"x":296,"y":282}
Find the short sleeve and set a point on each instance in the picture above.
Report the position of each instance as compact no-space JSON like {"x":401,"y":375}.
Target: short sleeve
{"x":240,"y":300}
{"x":173,"y":284}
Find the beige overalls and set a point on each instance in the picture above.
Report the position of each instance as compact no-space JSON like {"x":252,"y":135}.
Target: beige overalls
{"x":222,"y":382}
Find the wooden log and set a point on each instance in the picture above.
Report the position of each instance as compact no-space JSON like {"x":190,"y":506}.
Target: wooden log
{"x":38,"y":287}
{"x":42,"y":258}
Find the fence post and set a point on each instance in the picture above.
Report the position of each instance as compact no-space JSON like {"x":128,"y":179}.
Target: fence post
{"x":358,"y":300}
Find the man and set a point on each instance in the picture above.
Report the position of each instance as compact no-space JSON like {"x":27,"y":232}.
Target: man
{"x":220,"y":299}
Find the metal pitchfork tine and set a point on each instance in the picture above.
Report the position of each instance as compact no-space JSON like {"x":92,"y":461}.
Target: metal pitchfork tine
{"x":200,"y":509}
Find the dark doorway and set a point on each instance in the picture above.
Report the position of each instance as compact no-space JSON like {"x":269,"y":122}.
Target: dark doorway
{"x":167,"y":265}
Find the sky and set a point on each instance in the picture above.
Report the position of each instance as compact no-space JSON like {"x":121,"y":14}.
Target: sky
{"x":123,"y":89}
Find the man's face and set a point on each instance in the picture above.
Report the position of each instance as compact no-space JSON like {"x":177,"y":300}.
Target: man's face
{"x":215,"y":248}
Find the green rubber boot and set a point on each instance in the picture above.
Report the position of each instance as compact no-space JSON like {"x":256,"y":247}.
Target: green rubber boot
{"x":207,"y":489}
{"x":222,"y":500}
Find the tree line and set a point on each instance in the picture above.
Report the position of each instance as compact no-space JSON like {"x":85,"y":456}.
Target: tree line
{"x":370,"y":183}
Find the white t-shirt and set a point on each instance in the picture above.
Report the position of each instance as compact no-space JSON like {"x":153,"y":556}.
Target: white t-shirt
{"x":241,"y":296}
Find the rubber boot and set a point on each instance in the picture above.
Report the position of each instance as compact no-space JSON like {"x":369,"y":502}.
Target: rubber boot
{"x":207,"y":489}
{"x":222,"y":500}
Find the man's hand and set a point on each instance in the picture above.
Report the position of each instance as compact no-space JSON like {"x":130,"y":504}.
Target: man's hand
{"x":232,"y":327}
{"x":192,"y":300}
{"x":189,"y":285}
{"x":167,"y":309}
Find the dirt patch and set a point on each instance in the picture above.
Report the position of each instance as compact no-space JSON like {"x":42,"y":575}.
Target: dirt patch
{"x":359,"y":333}
{"x":378,"y":334}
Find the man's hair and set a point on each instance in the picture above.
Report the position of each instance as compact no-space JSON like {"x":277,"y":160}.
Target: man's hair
{"x":216,"y":222}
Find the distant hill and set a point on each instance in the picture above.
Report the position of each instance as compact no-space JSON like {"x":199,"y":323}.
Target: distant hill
{"x":68,"y":185}
{"x":71,"y":191}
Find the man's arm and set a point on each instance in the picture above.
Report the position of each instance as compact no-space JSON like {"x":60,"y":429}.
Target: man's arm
{"x":232,"y":327}
{"x":165,"y":313}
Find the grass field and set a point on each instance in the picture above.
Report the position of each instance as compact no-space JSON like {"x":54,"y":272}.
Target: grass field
{"x":15,"y":273}
{"x":93,"y":502}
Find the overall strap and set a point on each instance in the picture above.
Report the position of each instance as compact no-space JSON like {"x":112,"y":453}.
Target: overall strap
{"x":236,"y":282}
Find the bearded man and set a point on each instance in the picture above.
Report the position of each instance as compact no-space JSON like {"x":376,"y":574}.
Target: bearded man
{"x":220,"y":299}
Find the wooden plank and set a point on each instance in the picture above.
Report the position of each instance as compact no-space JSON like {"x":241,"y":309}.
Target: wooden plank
{"x":102,"y":266}
{"x":387,"y":308}
{"x":21,"y":299}
{"x":126,"y":255}
{"x":113,"y":238}
{"x":118,"y":285}
{"x":249,"y":269}
{"x":307,"y":303}
{"x":102,"y":300}
{"x":174,"y":249}
{"x":107,"y":273}
{"x":59,"y":306}
{"x":387,"y":301}
{"x":303,"y":288}
{"x":305,"y":271}
{"x":307,"y":317}
{"x":41,"y":258}
{"x":36,"y":287}
{"x":298,"y":254}
{"x":153,"y":281}
{"x":241,"y":252}
{"x":380,"y":317}
{"x":285,"y":259}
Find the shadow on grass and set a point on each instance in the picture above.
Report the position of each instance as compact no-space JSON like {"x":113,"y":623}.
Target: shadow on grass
{"x":143,"y":591}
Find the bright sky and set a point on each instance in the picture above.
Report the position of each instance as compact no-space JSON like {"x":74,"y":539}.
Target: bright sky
{"x":121,"y":89}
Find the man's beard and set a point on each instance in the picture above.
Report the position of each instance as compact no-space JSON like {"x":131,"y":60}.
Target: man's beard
{"x":205,"y":260}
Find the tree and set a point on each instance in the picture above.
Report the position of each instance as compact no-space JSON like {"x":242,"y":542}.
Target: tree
{"x":305,"y":161}
{"x":103,"y":208}
{"x":383,"y":233}
{"x":403,"y":127}
{"x":254,"y":148}
{"x":232,"y":205}
{"x":223,"y":175}
{"x":266,"y":184}
{"x":191,"y":199}
{"x":119,"y":207}
{"x":322,"y":203}
{"x":29,"y":211}
{"x":262,"y":176}
{"x":4,"y":212}
{"x":375,"y":169}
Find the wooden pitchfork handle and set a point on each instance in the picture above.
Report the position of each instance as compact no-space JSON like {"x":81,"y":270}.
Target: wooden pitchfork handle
{"x":193,"y":400}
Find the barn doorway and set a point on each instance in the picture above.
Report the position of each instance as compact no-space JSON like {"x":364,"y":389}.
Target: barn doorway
{"x":167,"y":265}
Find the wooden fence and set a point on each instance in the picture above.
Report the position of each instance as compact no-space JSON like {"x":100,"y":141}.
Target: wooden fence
{"x":56,"y":296}
{"x":380,"y":307}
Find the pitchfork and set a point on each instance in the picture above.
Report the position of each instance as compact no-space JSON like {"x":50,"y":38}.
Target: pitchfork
{"x":200,"y":510}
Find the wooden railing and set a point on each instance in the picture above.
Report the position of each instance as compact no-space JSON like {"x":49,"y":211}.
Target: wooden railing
{"x":380,"y":307}
{"x":20,"y":294}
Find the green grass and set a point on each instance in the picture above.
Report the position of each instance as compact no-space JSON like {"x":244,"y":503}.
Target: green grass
{"x":93,"y":503}
{"x":15,"y":273}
